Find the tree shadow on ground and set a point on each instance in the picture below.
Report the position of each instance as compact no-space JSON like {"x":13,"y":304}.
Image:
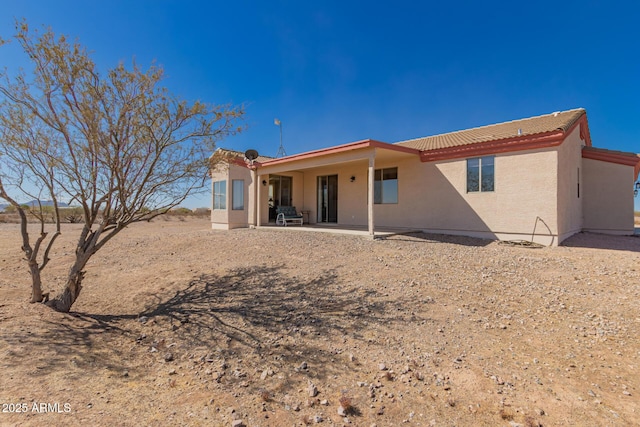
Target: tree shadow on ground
{"x":264,"y":316}
{"x":263,"y":313}
{"x":61,"y":342}
{"x":253,"y":306}
{"x":259,"y":313}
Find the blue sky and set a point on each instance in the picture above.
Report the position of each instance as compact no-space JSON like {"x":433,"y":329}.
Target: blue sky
{"x":340,"y":71}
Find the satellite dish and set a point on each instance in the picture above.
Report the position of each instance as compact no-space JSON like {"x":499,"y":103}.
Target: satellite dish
{"x":251,"y":155}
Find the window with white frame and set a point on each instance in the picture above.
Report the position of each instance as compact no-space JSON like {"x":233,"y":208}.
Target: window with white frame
{"x":480,"y":174}
{"x":237,"y":194}
{"x":385,"y":186}
{"x":220,"y":195}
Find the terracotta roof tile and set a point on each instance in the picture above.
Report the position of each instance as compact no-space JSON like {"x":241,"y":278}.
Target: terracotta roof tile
{"x":615,"y":152}
{"x":240,"y":154}
{"x":532,"y":126}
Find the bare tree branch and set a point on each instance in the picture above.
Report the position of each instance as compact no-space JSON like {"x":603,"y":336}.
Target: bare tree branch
{"x":118,"y":144}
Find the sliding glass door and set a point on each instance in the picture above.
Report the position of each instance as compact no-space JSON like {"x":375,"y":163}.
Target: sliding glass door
{"x":328,"y":198}
{"x":279,"y":193}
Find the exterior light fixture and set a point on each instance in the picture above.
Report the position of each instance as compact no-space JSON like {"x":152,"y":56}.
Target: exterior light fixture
{"x":264,"y":182}
{"x":353,"y":178}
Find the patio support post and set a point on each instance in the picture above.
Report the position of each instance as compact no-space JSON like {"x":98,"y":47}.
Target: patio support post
{"x":258,"y":201}
{"x":372,"y":165}
{"x":256,"y":189}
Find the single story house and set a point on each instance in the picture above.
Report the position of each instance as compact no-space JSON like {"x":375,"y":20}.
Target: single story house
{"x":499,"y":181}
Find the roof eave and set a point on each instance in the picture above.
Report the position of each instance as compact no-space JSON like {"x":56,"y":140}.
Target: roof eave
{"x":620,"y":158}
{"x":367,"y":143}
{"x":506,"y":145}
{"x":527,"y":142}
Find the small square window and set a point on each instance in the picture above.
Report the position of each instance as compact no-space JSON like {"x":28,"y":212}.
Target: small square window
{"x":480,"y":174}
{"x":385,"y":186}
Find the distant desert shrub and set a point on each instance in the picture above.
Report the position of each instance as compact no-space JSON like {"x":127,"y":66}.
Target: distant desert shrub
{"x":13,"y":218}
{"x":203,"y":212}
{"x":72,"y":215}
{"x":8,"y":218}
{"x":180,"y":211}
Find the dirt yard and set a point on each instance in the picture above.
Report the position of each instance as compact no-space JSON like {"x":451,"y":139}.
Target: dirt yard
{"x":181,"y":325}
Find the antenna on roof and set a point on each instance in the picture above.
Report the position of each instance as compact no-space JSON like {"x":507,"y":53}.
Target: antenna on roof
{"x":281,"y":152}
{"x":251,"y":155}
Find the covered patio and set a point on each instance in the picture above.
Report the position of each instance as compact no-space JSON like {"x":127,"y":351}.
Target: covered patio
{"x":341,"y":188}
{"x":354,"y":230}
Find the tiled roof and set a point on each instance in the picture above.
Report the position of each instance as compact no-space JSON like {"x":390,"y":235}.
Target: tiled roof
{"x":562,"y":121}
{"x":620,"y":157}
{"x":240,"y":154}
{"x":632,"y":156}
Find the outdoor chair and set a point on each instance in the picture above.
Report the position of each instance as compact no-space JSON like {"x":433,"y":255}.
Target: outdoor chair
{"x":288,"y":215}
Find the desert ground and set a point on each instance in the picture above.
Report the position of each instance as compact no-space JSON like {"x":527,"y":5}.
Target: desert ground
{"x":178,"y":324}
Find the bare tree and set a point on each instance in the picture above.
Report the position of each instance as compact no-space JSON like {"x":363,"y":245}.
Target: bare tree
{"x":118,"y":145}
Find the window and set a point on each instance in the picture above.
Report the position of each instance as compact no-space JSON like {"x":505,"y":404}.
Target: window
{"x":385,"y":186}
{"x":480,"y":174}
{"x":220,"y":195}
{"x":237,"y":194}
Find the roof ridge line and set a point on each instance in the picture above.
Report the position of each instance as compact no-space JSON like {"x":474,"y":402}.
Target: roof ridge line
{"x":490,"y":125}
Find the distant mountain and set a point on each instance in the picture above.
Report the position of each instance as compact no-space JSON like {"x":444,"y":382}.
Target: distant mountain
{"x":34,"y":203}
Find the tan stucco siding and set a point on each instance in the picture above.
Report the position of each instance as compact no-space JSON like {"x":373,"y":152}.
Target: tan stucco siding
{"x":239,"y":217}
{"x":263,"y":190}
{"x":329,"y":161}
{"x":219,"y":217}
{"x":532,"y":188}
{"x":608,"y":197}
{"x":352,"y":196}
{"x":297,"y":190}
{"x":570,"y":217}
{"x":433,"y":197}
{"x":230,"y":218}
{"x":428,"y":197}
{"x":526,"y":191}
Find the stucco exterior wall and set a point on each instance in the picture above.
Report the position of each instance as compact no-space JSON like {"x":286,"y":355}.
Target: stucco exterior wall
{"x":229,"y":218}
{"x":219,"y":217}
{"x":526,"y":197}
{"x":570,"y":213}
{"x":297,"y":190}
{"x":432,"y":196}
{"x":532,"y":189}
{"x":608,"y":197}
{"x":352,"y":196}
{"x":263,"y":208}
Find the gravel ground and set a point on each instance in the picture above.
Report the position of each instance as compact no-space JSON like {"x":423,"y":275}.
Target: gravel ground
{"x":182,"y":325}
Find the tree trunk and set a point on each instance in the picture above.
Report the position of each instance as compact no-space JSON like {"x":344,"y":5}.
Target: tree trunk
{"x":36,"y":282}
{"x":71,"y":291}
